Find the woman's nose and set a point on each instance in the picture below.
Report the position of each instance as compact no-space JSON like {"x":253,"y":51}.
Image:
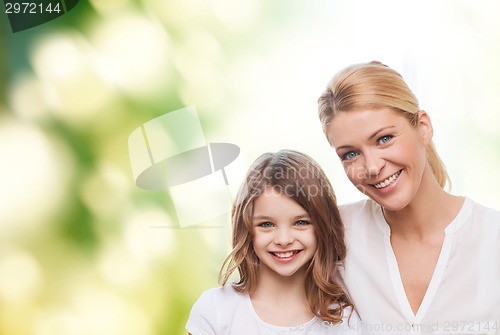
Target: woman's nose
{"x":373,"y":164}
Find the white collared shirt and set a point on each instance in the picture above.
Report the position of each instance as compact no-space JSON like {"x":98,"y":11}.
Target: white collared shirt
{"x":463,"y":296}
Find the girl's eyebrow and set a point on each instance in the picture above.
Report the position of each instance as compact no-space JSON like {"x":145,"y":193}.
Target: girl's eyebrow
{"x":265,"y":217}
{"x":261,"y":217}
{"x":302,"y":216}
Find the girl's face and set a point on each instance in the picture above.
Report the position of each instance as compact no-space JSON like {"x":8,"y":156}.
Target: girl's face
{"x":383,"y":155}
{"x":284,"y":237}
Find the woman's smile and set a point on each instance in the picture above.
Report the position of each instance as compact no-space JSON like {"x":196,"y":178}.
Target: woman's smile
{"x":388,"y":181}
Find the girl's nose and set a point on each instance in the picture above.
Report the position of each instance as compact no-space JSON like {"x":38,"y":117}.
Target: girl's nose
{"x":284,"y":237}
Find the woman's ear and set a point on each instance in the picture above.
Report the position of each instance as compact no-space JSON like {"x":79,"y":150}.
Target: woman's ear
{"x":425,"y":127}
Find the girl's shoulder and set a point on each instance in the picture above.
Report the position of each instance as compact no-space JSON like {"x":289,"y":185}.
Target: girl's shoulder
{"x":223,"y":310}
{"x":213,"y":308}
{"x":350,"y":325}
{"x":221,"y":295}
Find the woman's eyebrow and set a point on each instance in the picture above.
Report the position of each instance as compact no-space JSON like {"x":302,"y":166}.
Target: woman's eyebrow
{"x":379,"y":131}
{"x":375,"y":133}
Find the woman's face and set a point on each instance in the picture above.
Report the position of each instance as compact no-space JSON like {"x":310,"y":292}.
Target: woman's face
{"x":383,"y":155}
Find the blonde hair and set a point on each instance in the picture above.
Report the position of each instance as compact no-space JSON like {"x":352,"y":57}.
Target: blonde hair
{"x":374,"y":85}
{"x":305,"y":183}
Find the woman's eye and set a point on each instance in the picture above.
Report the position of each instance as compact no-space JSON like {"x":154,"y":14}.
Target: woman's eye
{"x":385,"y":139}
{"x":302,"y":223}
{"x":349,"y":155}
{"x":266,"y":225}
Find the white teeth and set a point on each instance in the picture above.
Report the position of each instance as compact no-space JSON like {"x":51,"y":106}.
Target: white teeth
{"x":283,"y":254}
{"x":388,"y":181}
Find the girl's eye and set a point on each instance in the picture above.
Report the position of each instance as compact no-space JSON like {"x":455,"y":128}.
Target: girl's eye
{"x":302,"y":223}
{"x":385,"y":139}
{"x":349,"y":155}
{"x":266,"y":225}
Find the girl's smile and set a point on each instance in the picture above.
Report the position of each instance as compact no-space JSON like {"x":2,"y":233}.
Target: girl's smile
{"x":285,"y":256}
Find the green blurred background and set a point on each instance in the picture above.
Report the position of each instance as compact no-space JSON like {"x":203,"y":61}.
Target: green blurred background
{"x":83,"y":250}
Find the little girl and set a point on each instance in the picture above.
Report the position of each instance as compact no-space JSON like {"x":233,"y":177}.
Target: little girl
{"x":288,"y":240}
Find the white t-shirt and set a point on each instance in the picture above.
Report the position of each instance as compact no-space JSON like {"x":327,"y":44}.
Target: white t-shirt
{"x":463,"y":296}
{"x":224,"y":311}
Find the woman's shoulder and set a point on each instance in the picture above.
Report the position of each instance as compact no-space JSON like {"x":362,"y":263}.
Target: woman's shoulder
{"x":359,"y":209}
{"x":483,"y":208}
{"x":474,"y":218}
{"x":356,"y":205}
{"x":483,"y":214}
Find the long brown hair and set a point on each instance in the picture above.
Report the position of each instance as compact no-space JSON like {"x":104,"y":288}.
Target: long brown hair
{"x":374,"y":85}
{"x":305,"y":183}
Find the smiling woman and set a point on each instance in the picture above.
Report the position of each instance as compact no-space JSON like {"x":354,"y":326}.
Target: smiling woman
{"x":287,"y":243}
{"x":410,"y":242}
{"x":380,"y":148}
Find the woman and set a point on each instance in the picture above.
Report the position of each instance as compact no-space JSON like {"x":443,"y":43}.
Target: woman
{"x":419,"y":259}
